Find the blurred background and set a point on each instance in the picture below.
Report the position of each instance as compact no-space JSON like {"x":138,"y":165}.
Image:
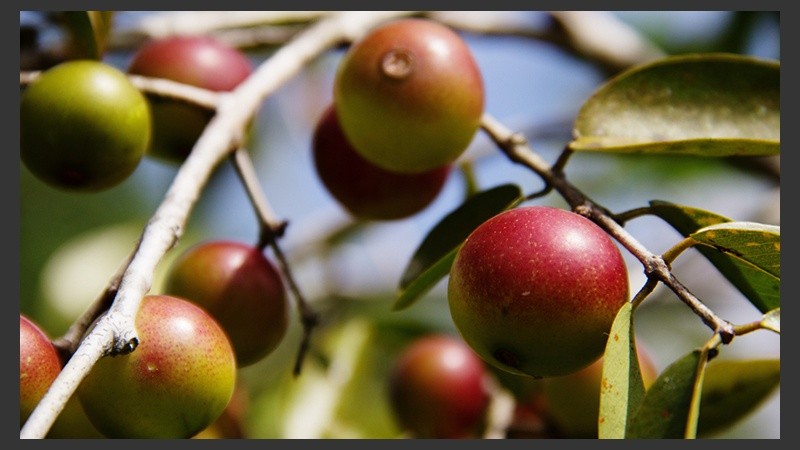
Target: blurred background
{"x":71,"y":244}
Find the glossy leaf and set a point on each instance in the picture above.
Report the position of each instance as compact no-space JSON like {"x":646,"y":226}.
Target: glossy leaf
{"x":432,"y":260}
{"x":732,"y":389}
{"x":756,"y":243}
{"x":772,"y":320}
{"x":622,"y":388}
{"x":89,"y":31}
{"x":665,"y":408}
{"x":760,"y":287}
{"x":703,"y":104}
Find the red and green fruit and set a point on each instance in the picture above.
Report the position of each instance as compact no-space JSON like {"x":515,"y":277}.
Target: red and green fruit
{"x":200,"y":61}
{"x":534,"y":290}
{"x":409,"y":95}
{"x":573,"y":401}
{"x":240,"y":288}
{"x":173,"y":385}
{"x":39,"y":365}
{"x":83,"y":126}
{"x":365,"y":190}
{"x":438,"y":389}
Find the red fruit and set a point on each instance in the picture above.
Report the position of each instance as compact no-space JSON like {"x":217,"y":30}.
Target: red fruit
{"x":240,"y":288}
{"x":409,"y":95}
{"x":39,"y":365}
{"x":368,"y":191}
{"x":176,"y":383}
{"x":438,"y":389}
{"x":534,"y":290}
{"x":200,"y":61}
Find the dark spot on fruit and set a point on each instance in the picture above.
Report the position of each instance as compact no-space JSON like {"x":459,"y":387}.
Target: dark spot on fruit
{"x":507,"y":357}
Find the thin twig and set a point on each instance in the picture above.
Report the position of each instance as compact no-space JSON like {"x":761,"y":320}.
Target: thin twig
{"x":271,"y":230}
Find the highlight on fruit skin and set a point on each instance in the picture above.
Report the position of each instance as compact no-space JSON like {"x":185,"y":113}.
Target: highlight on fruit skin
{"x":39,"y":365}
{"x":409,"y":95}
{"x":534,"y":290}
{"x":365,"y":190}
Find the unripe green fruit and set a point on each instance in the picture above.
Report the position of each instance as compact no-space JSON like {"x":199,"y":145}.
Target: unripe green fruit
{"x":200,"y":61}
{"x":240,"y":288}
{"x":83,"y":126}
{"x":39,"y":365}
{"x":573,"y":401}
{"x":173,"y":385}
{"x":409,"y":95}
{"x":534,"y":290}
{"x":437,"y":389}
{"x":365,"y":190}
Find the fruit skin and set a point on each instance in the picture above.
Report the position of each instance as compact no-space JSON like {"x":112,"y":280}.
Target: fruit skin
{"x":409,"y":95}
{"x":534,"y":290}
{"x":200,"y":61}
{"x":240,"y":288}
{"x":39,"y":365}
{"x":83,"y":126}
{"x":573,"y":401}
{"x":437,"y":389}
{"x":177,"y":382}
{"x":365,"y":190}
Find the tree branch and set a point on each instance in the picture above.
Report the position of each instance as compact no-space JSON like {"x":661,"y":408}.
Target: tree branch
{"x":115,"y":331}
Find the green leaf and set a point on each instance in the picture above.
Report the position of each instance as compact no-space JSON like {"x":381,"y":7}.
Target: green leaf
{"x":772,"y":320}
{"x":761,"y":288}
{"x":432,"y":260}
{"x":712,"y":104}
{"x":665,"y":409}
{"x":89,"y":31}
{"x":732,"y":389}
{"x":622,"y":388}
{"x":756,"y":243}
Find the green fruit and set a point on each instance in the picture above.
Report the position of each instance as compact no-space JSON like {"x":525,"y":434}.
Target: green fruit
{"x":438,"y":389}
{"x":39,"y":365}
{"x":201,"y":61}
{"x":83,"y":126}
{"x":409,"y":95}
{"x":534,"y":290}
{"x":573,"y":401}
{"x":365,"y":190}
{"x":176,"y":383}
{"x":240,"y":288}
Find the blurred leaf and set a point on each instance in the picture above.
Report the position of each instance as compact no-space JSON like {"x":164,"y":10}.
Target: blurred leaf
{"x":712,"y":104}
{"x":756,"y":243}
{"x":772,"y":320}
{"x":433,"y":258}
{"x":665,"y":409}
{"x":89,"y":31}
{"x":622,"y":388}
{"x":760,"y":287}
{"x":732,"y":389}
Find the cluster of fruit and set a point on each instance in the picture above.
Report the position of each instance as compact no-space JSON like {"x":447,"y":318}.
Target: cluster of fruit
{"x":532,"y":291}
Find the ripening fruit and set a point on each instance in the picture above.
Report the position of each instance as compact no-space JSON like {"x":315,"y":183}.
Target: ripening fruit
{"x":176,"y":383}
{"x":534,"y":290}
{"x":365,"y":190}
{"x":201,"y":61}
{"x":573,"y":401}
{"x":437,"y":389}
{"x":240,"y":288}
{"x":409,"y":95}
{"x":83,"y":126}
{"x":39,"y":365}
